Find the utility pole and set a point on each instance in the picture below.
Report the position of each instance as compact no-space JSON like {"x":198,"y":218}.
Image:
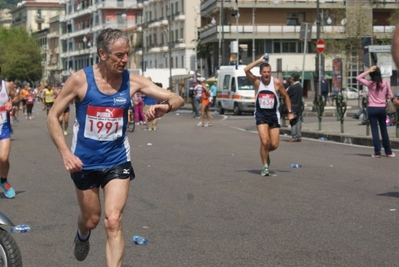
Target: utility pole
{"x":253,"y":30}
{"x":221,"y":47}
{"x":317,"y":76}
{"x":170,"y":45}
{"x":238,"y":44}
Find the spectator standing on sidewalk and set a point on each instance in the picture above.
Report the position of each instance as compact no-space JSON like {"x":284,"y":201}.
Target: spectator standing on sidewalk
{"x":295,"y":92}
{"x":324,"y":88}
{"x":379,"y":92}
{"x":267,"y":115}
{"x":138,"y":107}
{"x":197,"y":98}
{"x":214,"y":92}
{"x":192,"y":96}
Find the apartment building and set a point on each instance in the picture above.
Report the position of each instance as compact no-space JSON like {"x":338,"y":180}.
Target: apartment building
{"x":5,"y":18}
{"x":170,"y":36}
{"x":274,"y":27}
{"x":82,"y":22}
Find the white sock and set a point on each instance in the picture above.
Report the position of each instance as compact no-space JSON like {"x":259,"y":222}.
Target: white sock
{"x":83,"y":238}
{"x":266,"y":165}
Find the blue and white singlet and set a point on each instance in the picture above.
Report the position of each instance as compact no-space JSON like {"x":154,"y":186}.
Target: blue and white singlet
{"x":99,"y":131}
{"x":5,"y":126}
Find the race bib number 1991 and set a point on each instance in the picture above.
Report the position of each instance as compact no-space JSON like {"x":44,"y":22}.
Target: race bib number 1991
{"x":103,"y":124}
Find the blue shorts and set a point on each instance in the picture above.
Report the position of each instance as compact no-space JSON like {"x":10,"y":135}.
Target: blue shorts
{"x":87,"y":179}
{"x":6,"y":130}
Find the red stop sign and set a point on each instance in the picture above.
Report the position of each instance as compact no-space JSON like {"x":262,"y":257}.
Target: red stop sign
{"x":320,"y":46}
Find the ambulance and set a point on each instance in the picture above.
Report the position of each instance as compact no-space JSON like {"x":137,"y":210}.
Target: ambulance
{"x":235,"y":93}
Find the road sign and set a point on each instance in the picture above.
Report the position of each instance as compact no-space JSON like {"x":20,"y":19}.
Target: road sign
{"x":320,"y":46}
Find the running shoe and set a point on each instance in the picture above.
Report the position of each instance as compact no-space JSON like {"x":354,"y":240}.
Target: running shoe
{"x":8,"y":190}
{"x":82,"y":248}
{"x":200,"y":124}
{"x":392,"y":155}
{"x":265,"y":171}
{"x":375,"y":156}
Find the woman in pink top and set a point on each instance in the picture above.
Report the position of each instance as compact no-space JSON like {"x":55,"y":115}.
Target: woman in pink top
{"x":379,"y":92}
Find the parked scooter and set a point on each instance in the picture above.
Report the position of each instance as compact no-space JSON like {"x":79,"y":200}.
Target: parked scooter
{"x":10,"y":255}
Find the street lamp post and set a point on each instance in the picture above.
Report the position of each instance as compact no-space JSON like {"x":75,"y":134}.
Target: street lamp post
{"x":318,"y":80}
{"x":238,"y":44}
{"x":196,"y":43}
{"x":169,"y":15}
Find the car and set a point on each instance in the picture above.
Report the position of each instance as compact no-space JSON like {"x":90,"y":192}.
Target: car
{"x":350,"y":92}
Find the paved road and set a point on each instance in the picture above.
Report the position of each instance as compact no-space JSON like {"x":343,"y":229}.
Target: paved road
{"x":199,"y":199}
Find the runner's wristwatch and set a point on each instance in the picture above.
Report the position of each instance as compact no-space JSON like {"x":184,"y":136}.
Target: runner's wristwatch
{"x":290,"y":111}
{"x":167,"y":103}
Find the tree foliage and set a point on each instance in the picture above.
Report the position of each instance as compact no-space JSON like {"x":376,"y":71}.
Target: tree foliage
{"x":8,"y":3}
{"x":20,"y":58}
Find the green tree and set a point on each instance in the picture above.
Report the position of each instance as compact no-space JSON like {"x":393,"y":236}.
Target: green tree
{"x":20,"y":58}
{"x":205,"y":52}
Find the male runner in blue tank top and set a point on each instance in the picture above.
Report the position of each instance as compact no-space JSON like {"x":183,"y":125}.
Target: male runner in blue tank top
{"x":267,"y":115}
{"x":100,"y":152}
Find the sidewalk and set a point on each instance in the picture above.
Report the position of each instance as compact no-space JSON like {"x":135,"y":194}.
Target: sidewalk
{"x":350,"y":132}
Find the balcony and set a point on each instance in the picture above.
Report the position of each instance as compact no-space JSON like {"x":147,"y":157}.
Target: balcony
{"x":210,"y":34}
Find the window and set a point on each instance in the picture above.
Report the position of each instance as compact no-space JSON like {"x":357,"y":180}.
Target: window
{"x":226,"y":81}
{"x":244,"y":84}
{"x":288,"y":46}
{"x":294,"y":19}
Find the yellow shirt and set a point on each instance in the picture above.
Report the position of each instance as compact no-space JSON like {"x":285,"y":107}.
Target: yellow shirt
{"x":48,"y":95}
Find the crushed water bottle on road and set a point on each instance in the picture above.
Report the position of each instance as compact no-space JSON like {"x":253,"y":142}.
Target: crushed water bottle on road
{"x":20,"y":228}
{"x":139,"y":240}
{"x":296,"y":165}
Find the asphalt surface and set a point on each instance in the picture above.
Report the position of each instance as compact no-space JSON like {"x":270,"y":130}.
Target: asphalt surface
{"x":199,"y":199}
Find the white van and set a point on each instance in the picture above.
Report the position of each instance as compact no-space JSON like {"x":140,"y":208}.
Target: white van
{"x":234,"y":91}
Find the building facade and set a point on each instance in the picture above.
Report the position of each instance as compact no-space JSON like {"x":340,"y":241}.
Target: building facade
{"x":276,"y":27}
{"x":82,"y":22}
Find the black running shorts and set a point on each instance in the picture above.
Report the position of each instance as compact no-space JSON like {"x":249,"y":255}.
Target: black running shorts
{"x":87,"y":179}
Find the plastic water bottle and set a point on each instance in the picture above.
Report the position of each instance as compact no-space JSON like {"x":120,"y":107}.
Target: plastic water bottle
{"x":266,"y":56}
{"x":21,"y":228}
{"x":139,"y":240}
{"x":295,"y":165}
